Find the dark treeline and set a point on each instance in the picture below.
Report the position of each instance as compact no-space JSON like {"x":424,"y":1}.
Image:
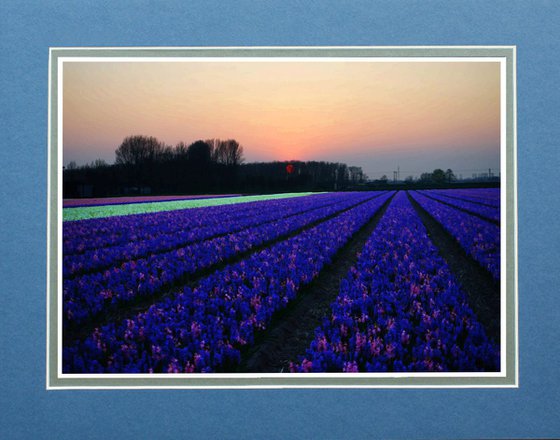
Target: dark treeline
{"x":436,"y":179}
{"x":299,"y":176}
{"x":144,"y":165}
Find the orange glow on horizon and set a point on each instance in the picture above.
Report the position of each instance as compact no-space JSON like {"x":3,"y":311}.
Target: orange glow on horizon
{"x":284,"y":110}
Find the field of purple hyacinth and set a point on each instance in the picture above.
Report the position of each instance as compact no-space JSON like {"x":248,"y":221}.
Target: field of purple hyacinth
{"x":478,"y":237}
{"x":400,"y":309}
{"x":194,"y":290}
{"x":483,"y":210}
{"x":120,"y":277}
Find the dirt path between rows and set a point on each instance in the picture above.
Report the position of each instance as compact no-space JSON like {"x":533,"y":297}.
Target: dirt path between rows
{"x":482,"y":290}
{"x":291,"y":331}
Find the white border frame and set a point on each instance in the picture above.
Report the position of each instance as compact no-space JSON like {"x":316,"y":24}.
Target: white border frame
{"x":291,"y":379}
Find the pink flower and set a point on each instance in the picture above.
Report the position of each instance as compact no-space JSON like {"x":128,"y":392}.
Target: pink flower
{"x":350,"y":367}
{"x":306,"y":366}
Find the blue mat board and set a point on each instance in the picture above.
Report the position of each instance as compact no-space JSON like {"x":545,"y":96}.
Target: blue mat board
{"x":28,"y":411}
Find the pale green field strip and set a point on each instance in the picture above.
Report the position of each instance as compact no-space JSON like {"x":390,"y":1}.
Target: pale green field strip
{"x":87,"y":212}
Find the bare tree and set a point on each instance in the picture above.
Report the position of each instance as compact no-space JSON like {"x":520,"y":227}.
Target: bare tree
{"x":449,"y":176}
{"x":228,"y":152}
{"x":99,"y":163}
{"x":356,"y":174}
{"x":235,"y":153}
{"x":139,"y":150}
{"x":213,"y":144}
{"x":180,"y":151}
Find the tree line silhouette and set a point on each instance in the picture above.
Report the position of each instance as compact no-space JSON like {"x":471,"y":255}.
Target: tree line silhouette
{"x":144,"y":165}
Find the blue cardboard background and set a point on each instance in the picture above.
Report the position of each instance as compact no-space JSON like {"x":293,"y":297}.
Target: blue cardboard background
{"x":27,"y":410}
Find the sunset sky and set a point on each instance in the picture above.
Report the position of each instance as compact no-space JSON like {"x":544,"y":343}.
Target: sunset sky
{"x":378,"y":115}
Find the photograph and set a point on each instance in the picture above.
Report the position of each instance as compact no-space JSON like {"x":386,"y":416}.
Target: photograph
{"x":324,"y":217}
{"x":280,"y":220}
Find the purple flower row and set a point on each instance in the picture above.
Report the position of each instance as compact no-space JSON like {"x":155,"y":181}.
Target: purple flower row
{"x":477,"y":237}
{"x":399,"y":309}
{"x":203,"y":329}
{"x":484,"y":196}
{"x":107,"y":256}
{"x":91,"y":234}
{"x":87,"y":295}
{"x":488,"y":212}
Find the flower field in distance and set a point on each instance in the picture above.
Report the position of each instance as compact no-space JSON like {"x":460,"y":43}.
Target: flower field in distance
{"x":77,"y":203}
{"x":147,"y":206}
{"x":193,"y":289}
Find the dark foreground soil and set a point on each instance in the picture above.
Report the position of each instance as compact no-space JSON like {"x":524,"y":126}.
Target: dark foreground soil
{"x":482,"y":290}
{"x":292,"y":330}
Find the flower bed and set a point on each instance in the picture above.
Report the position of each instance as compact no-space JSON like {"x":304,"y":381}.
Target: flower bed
{"x":145,"y":236}
{"x":486,"y":196}
{"x":82,"y":235}
{"x":87,"y":212}
{"x":399,"y":309}
{"x":87,"y":295}
{"x":477,"y":237}
{"x":203,"y":329}
{"x":488,"y":212}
